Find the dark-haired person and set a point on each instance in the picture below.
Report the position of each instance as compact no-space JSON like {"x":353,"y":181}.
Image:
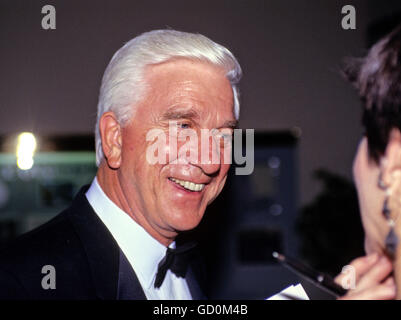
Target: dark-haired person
{"x":377,"y":165}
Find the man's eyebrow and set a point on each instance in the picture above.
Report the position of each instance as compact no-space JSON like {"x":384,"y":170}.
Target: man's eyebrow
{"x":233,"y":124}
{"x":175,"y":114}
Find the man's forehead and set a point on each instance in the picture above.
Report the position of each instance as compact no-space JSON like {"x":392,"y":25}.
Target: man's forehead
{"x":186,"y":87}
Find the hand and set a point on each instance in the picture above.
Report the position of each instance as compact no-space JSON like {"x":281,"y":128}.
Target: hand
{"x":372,"y":279}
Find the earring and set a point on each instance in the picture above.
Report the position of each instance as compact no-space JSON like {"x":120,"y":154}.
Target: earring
{"x":391,"y":241}
{"x":380,"y":183}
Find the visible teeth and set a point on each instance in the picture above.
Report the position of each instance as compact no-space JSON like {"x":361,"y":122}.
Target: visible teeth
{"x":189,"y":185}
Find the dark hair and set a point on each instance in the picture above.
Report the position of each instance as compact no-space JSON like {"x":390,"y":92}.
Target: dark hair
{"x":377,"y":77}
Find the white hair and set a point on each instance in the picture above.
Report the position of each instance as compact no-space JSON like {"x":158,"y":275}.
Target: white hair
{"x":123,"y":85}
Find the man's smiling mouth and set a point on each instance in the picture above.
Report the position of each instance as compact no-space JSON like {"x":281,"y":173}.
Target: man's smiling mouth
{"x":191,"y":186}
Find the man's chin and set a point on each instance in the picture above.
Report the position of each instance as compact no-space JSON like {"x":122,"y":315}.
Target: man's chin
{"x":186,"y":223}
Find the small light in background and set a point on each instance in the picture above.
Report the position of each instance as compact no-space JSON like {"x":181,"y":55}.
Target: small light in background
{"x":26,"y":147}
{"x":297,"y":132}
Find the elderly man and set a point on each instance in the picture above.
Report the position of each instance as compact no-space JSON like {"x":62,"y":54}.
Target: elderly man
{"x":117,"y":239}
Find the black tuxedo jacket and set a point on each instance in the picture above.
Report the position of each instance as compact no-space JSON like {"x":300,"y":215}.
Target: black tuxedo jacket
{"x":87,"y":260}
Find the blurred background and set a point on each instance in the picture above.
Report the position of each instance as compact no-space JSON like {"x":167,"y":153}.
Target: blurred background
{"x":299,"y":200}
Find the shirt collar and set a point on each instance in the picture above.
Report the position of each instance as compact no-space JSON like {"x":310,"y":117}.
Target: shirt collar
{"x":142,"y":251}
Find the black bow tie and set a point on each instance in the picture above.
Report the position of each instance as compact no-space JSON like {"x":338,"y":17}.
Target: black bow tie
{"x":177,"y":260}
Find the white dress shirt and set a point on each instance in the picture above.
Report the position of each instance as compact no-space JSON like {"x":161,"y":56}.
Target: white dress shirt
{"x":142,"y":251}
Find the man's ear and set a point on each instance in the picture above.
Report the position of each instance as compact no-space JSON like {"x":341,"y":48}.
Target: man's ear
{"x":111,"y":135}
{"x":391,"y":162}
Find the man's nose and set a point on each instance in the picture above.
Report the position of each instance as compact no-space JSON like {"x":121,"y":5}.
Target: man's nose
{"x":209,"y":157}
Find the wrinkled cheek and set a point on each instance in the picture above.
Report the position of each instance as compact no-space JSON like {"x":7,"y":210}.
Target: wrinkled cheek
{"x":223,"y":180}
{"x":227,"y":155}
{"x":224,"y":168}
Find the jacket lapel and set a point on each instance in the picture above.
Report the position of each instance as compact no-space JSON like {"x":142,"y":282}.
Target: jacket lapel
{"x":129,"y":287}
{"x":110,"y":269}
{"x":100,"y":247}
{"x":194,"y":285}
